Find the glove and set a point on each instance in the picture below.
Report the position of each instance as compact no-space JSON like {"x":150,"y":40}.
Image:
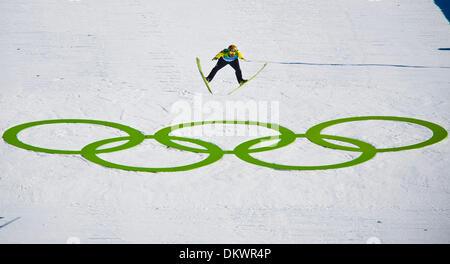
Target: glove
{"x":214,"y":58}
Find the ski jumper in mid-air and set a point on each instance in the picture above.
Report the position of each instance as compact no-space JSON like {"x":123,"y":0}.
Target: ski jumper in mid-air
{"x":230,"y":56}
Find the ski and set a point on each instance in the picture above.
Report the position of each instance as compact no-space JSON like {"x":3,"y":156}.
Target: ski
{"x":203,"y":76}
{"x":265,"y":64}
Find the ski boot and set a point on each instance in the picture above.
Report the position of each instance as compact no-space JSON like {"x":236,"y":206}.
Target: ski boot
{"x":242,"y":81}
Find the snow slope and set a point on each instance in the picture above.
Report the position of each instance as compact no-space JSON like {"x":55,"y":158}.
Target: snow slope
{"x":133,"y":62}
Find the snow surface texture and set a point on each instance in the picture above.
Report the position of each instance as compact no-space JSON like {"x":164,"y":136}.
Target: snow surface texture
{"x":130,"y":61}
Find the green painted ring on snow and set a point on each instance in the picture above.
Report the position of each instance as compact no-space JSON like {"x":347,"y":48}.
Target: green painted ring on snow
{"x":368,"y":152}
{"x":242,"y":151}
{"x":288,"y":136}
{"x":90,"y":151}
{"x":10,"y":135}
{"x":313,"y":134}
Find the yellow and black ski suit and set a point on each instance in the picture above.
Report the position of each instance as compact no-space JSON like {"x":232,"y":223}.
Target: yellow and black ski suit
{"x":224,"y":59}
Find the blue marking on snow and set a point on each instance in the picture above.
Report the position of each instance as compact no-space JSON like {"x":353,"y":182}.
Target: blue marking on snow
{"x":362,"y":65}
{"x":444,"y":5}
{"x":7,"y":223}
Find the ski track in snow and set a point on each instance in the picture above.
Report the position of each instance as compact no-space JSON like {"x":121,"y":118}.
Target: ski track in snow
{"x":130,"y":61}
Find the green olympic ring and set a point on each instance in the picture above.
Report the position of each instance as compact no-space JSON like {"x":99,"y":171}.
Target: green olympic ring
{"x":368,"y":152}
{"x":439,"y":133}
{"x":287,"y":138}
{"x":89,"y":153}
{"x":242,"y":151}
{"x":10,"y":135}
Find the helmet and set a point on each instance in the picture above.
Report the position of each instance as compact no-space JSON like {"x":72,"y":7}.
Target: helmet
{"x":232,"y":47}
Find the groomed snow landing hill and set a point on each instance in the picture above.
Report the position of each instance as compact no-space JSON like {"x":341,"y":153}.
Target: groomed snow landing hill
{"x":132,"y":62}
